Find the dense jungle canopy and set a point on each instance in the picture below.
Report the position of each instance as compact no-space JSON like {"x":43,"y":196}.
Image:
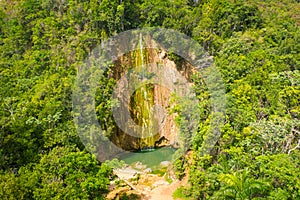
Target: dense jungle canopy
{"x":255,"y":45}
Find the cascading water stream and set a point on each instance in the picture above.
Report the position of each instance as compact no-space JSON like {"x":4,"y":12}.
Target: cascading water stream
{"x":143,"y":103}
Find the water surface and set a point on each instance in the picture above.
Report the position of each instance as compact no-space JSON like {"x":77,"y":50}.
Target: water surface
{"x":151,"y":158}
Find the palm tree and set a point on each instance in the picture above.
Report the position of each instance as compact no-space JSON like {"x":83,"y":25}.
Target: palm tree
{"x":240,"y":185}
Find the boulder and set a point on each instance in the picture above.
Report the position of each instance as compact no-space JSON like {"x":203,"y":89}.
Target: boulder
{"x":139,"y":165}
{"x":148,"y":170}
{"x":165,"y":163}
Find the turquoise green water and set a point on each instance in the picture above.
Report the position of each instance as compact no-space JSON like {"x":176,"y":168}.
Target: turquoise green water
{"x":150,"y":158}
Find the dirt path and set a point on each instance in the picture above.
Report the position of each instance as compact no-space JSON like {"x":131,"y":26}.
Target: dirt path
{"x":165,"y":192}
{"x":148,"y":187}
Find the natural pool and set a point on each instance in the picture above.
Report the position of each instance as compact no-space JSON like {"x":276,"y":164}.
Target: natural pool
{"x":151,"y":158}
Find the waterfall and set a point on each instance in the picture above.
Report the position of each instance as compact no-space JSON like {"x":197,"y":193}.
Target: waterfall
{"x":143,"y":101}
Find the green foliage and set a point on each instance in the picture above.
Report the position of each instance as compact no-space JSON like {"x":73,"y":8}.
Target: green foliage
{"x":179,"y":167}
{"x":115,"y":163}
{"x":72,"y":175}
{"x":11,"y":187}
{"x":62,"y":174}
{"x":282,"y":170}
{"x":240,"y":185}
{"x":220,"y":19}
{"x":256,"y":47}
{"x":180,"y":193}
{"x":130,"y":197}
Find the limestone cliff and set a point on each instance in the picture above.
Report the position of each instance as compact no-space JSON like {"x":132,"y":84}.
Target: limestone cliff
{"x":144,"y":109}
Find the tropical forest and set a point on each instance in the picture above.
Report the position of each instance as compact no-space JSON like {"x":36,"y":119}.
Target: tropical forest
{"x":150,"y":99}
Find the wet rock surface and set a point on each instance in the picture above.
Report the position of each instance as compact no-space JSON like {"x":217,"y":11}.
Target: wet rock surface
{"x":165,"y":163}
{"x":165,"y":131}
{"x":141,"y":184}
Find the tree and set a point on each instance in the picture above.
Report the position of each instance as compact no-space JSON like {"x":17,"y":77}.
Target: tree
{"x":240,"y":185}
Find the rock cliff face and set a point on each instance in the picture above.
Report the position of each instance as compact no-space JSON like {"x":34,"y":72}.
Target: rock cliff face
{"x":144,"y":119}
